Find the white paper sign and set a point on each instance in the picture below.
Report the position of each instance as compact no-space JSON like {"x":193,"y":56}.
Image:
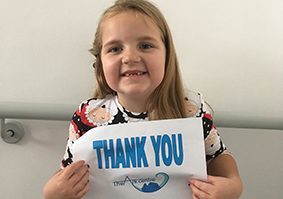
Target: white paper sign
{"x":151,"y":159}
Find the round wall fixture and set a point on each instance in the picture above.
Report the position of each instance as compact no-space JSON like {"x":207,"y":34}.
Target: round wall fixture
{"x":12,"y":132}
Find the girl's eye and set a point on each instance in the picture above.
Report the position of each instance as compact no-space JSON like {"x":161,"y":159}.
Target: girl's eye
{"x":115,"y":50}
{"x":146,"y":46}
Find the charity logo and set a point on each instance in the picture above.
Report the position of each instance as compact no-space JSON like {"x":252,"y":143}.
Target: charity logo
{"x":146,"y":185}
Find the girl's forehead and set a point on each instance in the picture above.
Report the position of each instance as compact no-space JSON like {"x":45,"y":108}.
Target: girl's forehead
{"x":130,"y":13}
{"x":128,"y":24}
{"x":125,"y":16}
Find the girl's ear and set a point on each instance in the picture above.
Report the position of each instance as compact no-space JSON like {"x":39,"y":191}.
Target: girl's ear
{"x":94,"y":61}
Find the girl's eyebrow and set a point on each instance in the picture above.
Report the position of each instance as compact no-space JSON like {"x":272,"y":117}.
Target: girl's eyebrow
{"x":111,"y":42}
{"x":147,"y":38}
{"x":142,"y":38}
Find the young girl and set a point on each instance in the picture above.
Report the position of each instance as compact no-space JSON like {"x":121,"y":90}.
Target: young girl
{"x":138,"y":79}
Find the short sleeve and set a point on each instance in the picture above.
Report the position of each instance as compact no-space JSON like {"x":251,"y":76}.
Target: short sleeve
{"x":214,"y":145}
{"x":79,"y":125}
{"x":91,"y":113}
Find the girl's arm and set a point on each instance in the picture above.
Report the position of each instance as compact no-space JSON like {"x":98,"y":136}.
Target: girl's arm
{"x":223,"y":180}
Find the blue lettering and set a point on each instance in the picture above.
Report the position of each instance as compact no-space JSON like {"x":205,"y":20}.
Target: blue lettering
{"x":178,"y":158}
{"x":97,"y":145}
{"x":156,"y":147}
{"x":109,"y":153}
{"x":127,"y":154}
{"x":141,"y":156}
{"x":130,"y":152}
{"x":166,"y":146}
{"x":120,"y":156}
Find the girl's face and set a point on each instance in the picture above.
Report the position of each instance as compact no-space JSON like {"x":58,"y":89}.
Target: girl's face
{"x":133,"y":56}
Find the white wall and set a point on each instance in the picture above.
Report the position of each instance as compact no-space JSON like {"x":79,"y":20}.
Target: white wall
{"x":231,"y":51}
{"x":27,"y":165}
{"x":259,"y":156}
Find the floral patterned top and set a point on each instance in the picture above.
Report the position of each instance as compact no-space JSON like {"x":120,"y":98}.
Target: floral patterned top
{"x":101,"y":112}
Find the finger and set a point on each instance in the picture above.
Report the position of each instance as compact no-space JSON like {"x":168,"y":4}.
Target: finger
{"x":84,"y":190}
{"x":201,"y":185}
{"x":194,"y":196}
{"x":69,"y":171}
{"x":78,"y":174}
{"x":198,"y":193}
{"x":58,"y":172}
{"x":80,"y":181}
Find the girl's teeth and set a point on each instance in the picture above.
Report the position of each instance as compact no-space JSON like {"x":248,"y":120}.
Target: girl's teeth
{"x":132,"y":74}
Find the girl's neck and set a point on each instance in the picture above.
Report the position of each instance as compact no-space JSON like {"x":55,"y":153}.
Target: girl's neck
{"x":133,"y":104}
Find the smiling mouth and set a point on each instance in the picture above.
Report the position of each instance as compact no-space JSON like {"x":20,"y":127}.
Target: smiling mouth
{"x":133,"y":74}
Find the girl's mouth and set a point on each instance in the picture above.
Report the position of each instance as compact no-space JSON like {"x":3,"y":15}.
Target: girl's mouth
{"x":130,"y":74}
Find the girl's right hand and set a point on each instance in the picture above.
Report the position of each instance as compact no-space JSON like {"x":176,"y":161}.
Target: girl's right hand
{"x":69,"y":183}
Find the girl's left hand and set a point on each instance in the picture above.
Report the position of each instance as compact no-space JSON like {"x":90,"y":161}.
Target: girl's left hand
{"x":213,"y":188}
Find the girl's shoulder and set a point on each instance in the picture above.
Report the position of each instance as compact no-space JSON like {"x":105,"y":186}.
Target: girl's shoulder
{"x":195,"y":104}
{"x":92,"y":113}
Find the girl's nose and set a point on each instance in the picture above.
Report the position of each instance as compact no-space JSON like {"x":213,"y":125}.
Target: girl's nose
{"x":131,"y":57}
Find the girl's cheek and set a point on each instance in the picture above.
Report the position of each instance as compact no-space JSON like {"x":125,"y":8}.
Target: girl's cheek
{"x":109,"y":61}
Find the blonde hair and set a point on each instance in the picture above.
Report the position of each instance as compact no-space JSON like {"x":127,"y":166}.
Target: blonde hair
{"x":167,"y":100}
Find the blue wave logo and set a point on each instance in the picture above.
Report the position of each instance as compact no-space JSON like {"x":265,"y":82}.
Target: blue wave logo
{"x":146,"y":185}
{"x":153,"y":186}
